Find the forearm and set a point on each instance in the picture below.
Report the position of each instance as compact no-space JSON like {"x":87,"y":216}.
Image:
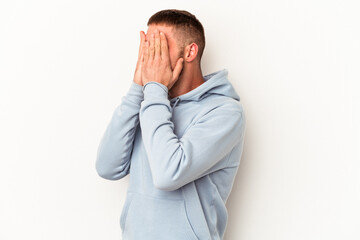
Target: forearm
{"x":175,"y":161}
{"x":114,"y":151}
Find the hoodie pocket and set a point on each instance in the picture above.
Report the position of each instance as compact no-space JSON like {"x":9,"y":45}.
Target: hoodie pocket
{"x":152,"y":218}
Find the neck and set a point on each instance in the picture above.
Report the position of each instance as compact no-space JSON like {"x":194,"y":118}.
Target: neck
{"x":191,"y":77}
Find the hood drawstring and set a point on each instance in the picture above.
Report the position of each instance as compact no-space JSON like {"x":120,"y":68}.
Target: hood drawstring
{"x":177,"y":100}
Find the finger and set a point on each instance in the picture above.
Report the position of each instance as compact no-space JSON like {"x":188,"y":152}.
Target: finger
{"x":164,"y":46}
{"x":152,"y":47}
{"x":142,"y":42}
{"x":157,"y":46}
{"x":178,"y":68}
{"x":140,"y":61}
{"x":146,"y":51}
{"x":143,"y":49}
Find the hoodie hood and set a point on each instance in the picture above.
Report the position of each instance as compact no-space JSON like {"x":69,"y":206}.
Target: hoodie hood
{"x":215,"y":83}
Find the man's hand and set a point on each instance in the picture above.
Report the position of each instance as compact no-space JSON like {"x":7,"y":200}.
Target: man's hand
{"x":137,"y":75}
{"x":156,"y":65}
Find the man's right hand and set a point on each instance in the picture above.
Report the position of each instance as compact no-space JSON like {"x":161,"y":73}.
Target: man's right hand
{"x":137,"y":75}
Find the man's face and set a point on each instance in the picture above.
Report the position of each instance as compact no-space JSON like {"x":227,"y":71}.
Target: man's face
{"x":174,"y":51}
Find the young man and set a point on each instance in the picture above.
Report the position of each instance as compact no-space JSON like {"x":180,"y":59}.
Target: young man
{"x":178,"y":134}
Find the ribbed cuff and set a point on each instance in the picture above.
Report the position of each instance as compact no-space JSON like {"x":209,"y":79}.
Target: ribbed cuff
{"x":155,"y":89}
{"x":135,"y":93}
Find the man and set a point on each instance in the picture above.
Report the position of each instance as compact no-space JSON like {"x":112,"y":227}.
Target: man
{"x":178,"y":134}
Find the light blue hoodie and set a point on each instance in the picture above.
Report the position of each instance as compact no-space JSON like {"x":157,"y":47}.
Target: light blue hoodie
{"x":182,"y":158}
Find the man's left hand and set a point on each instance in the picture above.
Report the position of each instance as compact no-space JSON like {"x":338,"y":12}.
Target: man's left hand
{"x":156,"y":62}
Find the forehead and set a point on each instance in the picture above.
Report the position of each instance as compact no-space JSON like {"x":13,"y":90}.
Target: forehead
{"x":167,"y":30}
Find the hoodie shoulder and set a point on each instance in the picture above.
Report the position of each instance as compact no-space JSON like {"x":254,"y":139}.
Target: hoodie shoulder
{"x":225,"y":103}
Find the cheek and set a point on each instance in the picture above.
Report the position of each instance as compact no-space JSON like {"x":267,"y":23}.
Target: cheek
{"x":174,"y":56}
{"x":172,"y":63}
{"x":172,"y":59}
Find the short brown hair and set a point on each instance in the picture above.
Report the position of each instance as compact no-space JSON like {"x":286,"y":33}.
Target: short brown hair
{"x":185,"y":23}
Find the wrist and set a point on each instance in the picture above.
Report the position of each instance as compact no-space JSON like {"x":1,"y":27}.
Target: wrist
{"x":157,"y":89}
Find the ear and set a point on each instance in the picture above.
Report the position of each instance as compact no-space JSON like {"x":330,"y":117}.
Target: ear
{"x":191,"y":52}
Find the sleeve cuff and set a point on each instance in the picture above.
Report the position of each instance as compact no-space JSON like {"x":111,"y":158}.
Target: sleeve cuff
{"x":135,"y":93}
{"x":155,"y":89}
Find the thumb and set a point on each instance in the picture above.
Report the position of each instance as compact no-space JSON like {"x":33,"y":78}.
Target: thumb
{"x":178,"y":68}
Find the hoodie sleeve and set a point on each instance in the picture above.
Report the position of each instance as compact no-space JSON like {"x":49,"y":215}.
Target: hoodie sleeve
{"x":175,"y":161}
{"x":114,"y":151}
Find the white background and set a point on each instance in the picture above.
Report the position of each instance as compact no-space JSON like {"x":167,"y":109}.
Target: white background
{"x":64,"y":66}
